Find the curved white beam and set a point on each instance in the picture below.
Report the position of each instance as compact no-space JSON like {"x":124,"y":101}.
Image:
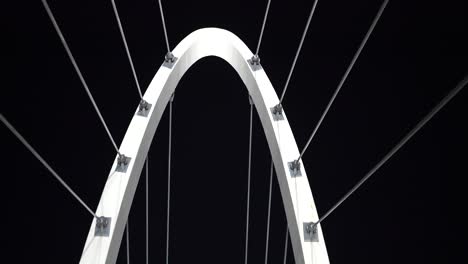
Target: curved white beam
{"x":119,"y":190}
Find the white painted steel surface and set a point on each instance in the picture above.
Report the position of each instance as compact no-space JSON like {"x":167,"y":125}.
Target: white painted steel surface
{"x":119,"y":190}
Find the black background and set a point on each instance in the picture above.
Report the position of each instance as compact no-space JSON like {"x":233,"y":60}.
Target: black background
{"x":411,"y":211}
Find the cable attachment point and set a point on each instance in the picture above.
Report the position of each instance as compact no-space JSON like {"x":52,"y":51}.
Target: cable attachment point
{"x":172,"y":97}
{"x":277,"y":112}
{"x":102,"y":226}
{"x":250,"y":100}
{"x":143,"y":108}
{"x":169,"y":60}
{"x":310,"y":232}
{"x":295,"y":168}
{"x":122,"y":163}
{"x":254,"y":63}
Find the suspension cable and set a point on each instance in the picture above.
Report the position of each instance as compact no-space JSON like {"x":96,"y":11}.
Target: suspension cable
{"x":297,"y":52}
{"x":343,"y":79}
{"x":128,"y":243}
{"x":263,"y":28}
{"x":269,"y":213}
{"x":75,"y":65}
{"x":169,"y":179}
{"x":164,"y":27}
{"x":248,"y":183}
{"x":126,"y":48}
{"x":285,"y":258}
{"x":147,"y":215}
{"x":400,"y":144}
{"x":36,"y":154}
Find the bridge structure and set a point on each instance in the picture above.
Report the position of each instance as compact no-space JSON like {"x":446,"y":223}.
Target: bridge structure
{"x":121,"y":184}
{"x":110,"y":219}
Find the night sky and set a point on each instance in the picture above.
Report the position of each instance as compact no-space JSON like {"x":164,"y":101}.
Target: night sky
{"x":410,"y":211}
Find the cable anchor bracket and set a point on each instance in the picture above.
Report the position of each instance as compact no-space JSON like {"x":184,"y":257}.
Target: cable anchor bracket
{"x":277,"y":112}
{"x":254,"y":63}
{"x":295,"y":168}
{"x":143,"y":108}
{"x":169,"y":60}
{"x":102,"y":227}
{"x":310,"y":232}
{"x":122,"y":163}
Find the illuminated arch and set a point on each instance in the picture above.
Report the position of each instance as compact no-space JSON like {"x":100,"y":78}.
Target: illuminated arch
{"x":120,"y":187}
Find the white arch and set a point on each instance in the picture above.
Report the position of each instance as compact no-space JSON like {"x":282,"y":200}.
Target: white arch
{"x":120,"y":187}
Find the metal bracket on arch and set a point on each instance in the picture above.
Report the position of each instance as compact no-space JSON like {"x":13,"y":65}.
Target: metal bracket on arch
{"x":310,"y":232}
{"x":295,"y":168}
{"x":143,"y":108}
{"x":254,"y":63}
{"x":102,"y":226}
{"x":122,"y":163}
{"x":277,"y":112}
{"x":169,"y":60}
